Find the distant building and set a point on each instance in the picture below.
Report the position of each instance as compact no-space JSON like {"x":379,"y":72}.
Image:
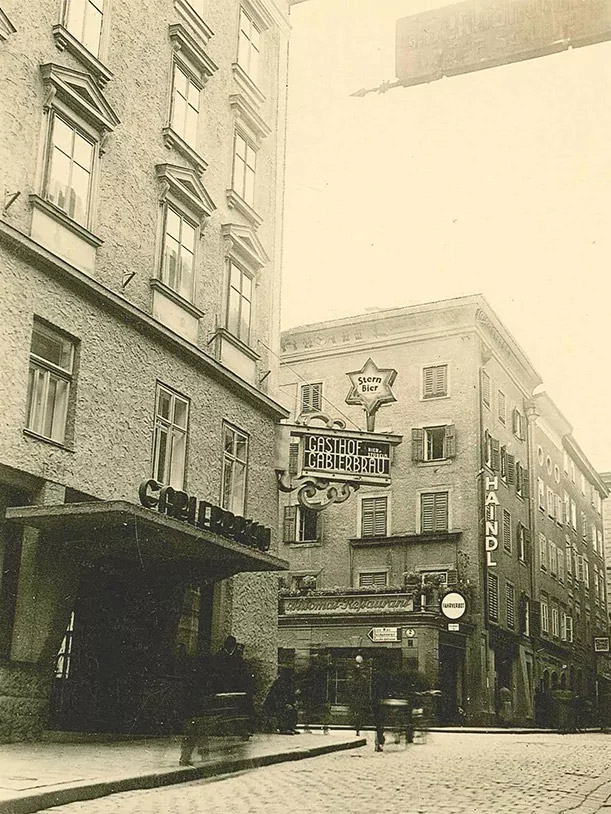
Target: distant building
{"x":142,"y":151}
{"x":463,"y":513}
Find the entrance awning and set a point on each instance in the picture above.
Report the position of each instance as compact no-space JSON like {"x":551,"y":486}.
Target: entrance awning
{"x":121,"y":530}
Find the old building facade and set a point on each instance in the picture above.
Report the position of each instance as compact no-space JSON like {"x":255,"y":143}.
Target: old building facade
{"x":461,"y":514}
{"x":142,"y":154}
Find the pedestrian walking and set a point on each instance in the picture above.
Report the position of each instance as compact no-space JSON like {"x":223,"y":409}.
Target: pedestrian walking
{"x":359,"y":695}
{"x":280,"y":705}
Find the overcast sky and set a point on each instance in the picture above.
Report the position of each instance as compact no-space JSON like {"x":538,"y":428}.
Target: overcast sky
{"x":496,"y":182}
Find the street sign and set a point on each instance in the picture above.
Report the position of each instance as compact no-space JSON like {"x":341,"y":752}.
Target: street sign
{"x":384,"y":634}
{"x":454,"y":627}
{"x":601,"y":644}
{"x":453,"y":605}
{"x":409,"y":632}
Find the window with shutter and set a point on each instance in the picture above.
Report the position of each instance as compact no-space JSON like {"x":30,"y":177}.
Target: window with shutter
{"x":541,"y":493}
{"x":450,"y":441}
{"x":434,"y":512}
{"x":435,"y":443}
{"x":373,"y":579}
{"x":486,"y":388}
{"x":525,"y":483}
{"x":417,"y":444}
{"x":511,"y":469}
{"x":374,"y":516}
{"x":293,"y":458}
{"x":289,"y":526}
{"x":506,"y":531}
{"x":495,"y":455}
{"x":311,"y":397}
{"x":308,"y":529}
{"x":501,"y":406}
{"x":503,"y":464}
{"x":544,"y":616}
{"x":542,"y":552}
{"x":435,"y":381}
{"x":558,"y":500}
{"x":493,"y":597}
{"x":510,"y":604}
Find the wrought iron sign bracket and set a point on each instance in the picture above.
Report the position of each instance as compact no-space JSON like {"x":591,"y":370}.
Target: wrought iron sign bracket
{"x":316,"y":493}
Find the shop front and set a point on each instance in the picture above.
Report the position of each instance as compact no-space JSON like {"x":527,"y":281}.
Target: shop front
{"x":128,"y":605}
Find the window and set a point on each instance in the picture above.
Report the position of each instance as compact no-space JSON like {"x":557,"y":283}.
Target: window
{"x":493,"y":597}
{"x":84,"y":19}
{"x":301,"y":525}
{"x":374,"y":511}
{"x":501,"y":406}
{"x":521,"y":480}
{"x":568,"y":623}
{"x":519,"y":425}
{"x":544,"y":615}
{"x":486,"y":388}
{"x":510,"y":603}
{"x":584,"y":526}
{"x":239,"y":303}
{"x":550,"y":502}
{"x":304,"y":582}
{"x":599,"y":542}
{"x":69,"y":174}
{"x":235,"y":466}
{"x":566,"y":513}
{"x":553,"y":558}
{"x":506,"y":531}
{"x":435,"y":381}
{"x":433,"y":443}
{"x":185,"y":106}
{"x":64,"y":657}
{"x":311,"y":397}
{"x":583,"y":484}
{"x":568,"y":557}
{"x":523,"y":539}
{"x":50,"y":379}
{"x":560,"y":557}
{"x":434,"y":512}
{"x":558,"y":512}
{"x":586,"y":573}
{"x":572,"y":465}
{"x":565,"y":461}
{"x":491,"y":452}
{"x":555,"y":621}
{"x":170,"y":437}
{"x":541,"y":493}
{"x":244,"y":168}
{"x":573,"y":515}
{"x":178,"y":253}
{"x":249,"y":46}
{"x":373,"y":579}
{"x":542,"y":552}
{"x":503,"y":464}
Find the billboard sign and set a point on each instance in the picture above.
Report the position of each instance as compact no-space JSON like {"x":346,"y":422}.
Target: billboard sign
{"x":477,"y":34}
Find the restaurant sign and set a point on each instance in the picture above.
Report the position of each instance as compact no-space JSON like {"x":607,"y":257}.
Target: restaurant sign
{"x":333,"y":605}
{"x":203,"y":515}
{"x":352,"y":458}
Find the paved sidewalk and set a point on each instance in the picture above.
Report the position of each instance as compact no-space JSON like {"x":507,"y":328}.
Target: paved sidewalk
{"x":35,"y":776}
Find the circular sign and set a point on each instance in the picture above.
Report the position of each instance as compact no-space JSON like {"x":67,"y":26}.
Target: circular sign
{"x":453,"y":605}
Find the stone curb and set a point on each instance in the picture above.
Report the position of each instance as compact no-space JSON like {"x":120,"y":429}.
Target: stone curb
{"x":90,"y":791}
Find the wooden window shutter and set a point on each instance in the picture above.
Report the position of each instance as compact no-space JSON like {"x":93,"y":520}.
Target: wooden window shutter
{"x":452,"y":577}
{"x":506,"y":530}
{"x":450,"y":441}
{"x":511,"y":468}
{"x":429,"y":382}
{"x":317,"y":397}
{"x":515,"y":420}
{"x":496,"y":455}
{"x":441,"y":380}
{"x":493,"y":597}
{"x":525,"y":482}
{"x":373,"y":517}
{"x":417,"y":444}
{"x":289,"y":526}
{"x":427,"y":510}
{"x":293,"y":457}
{"x":486,"y":388}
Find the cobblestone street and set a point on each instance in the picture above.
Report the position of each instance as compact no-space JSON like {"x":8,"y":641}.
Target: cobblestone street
{"x":454,"y":773}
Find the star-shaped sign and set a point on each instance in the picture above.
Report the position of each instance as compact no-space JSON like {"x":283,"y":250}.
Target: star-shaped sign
{"x":371,"y":386}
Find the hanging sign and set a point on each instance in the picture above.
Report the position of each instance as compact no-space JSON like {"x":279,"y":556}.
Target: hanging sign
{"x":371,"y":387}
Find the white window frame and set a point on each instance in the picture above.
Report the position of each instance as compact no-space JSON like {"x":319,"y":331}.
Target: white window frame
{"x":236,"y":503}
{"x":544,"y":615}
{"x":175,"y":434}
{"x":369,"y":496}
{"x":180,"y":128}
{"x":298,"y":525}
{"x":445,"y":395}
{"x":236,"y":330}
{"x":555,"y":621}
{"x":99,"y":51}
{"x":242,"y":167}
{"x":543,"y":555}
{"x":245,"y":59}
{"x":42,"y":372}
{"x":186,"y":293}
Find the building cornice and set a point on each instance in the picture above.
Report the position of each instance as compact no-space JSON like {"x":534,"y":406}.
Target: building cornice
{"x":46,"y":261}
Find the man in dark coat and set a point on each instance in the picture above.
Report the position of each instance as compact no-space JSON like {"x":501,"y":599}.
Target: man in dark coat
{"x":280,"y":706}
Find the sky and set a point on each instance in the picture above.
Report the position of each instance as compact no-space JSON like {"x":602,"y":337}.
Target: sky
{"x":495,"y":182}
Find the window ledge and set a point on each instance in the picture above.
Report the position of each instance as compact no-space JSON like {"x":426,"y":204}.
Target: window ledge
{"x":236,"y":201}
{"x":434,"y":398}
{"x":55,"y":212}
{"x":223,"y":333}
{"x":192,"y":309}
{"x":304,"y":544}
{"x":199,"y":26}
{"x":36,"y":436}
{"x":440,"y":462}
{"x":246,"y":84}
{"x":425,"y":537}
{"x":65,"y":41}
{"x":171,"y":139}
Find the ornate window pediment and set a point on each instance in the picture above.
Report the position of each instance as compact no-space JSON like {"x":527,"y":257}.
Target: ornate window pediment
{"x":80,"y":92}
{"x":185,"y":186}
{"x":191,"y":51}
{"x":6,"y":26}
{"x":248,"y":117}
{"x":242,"y":242}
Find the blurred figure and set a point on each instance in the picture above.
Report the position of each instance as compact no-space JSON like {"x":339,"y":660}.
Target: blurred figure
{"x":313,"y":684}
{"x":359,"y":695}
{"x":280,"y":706}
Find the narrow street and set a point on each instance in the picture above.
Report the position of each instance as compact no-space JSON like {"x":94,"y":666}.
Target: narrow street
{"x":455,"y":773}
